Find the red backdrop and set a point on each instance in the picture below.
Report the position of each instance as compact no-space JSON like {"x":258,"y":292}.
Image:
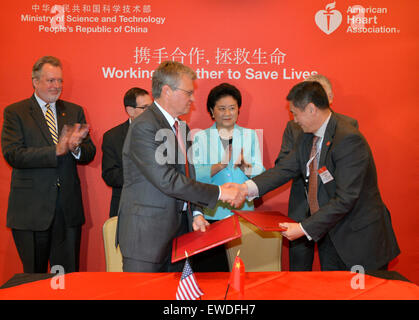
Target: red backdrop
{"x":262,"y":47}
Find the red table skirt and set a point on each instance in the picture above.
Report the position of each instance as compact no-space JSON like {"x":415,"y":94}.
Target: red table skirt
{"x":258,"y":286}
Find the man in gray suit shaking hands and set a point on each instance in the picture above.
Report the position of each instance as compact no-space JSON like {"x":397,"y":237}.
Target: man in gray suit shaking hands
{"x":161,"y":199}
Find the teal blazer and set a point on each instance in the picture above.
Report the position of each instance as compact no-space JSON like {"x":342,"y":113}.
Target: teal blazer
{"x":208,"y":150}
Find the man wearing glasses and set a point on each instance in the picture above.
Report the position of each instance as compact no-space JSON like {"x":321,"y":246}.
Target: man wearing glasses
{"x":44,"y":139}
{"x":136,"y":100}
{"x":161,"y":200}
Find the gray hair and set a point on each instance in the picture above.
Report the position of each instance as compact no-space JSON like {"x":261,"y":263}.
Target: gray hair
{"x":321,"y":79}
{"x":37,"y":67}
{"x":169,"y":73}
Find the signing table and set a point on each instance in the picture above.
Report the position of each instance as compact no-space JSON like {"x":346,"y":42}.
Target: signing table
{"x":339,"y":285}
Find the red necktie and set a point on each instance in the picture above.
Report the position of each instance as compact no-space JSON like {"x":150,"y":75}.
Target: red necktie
{"x":182,"y":146}
{"x":312,"y":179}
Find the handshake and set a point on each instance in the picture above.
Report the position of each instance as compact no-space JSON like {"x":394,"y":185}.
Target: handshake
{"x":233,"y":193}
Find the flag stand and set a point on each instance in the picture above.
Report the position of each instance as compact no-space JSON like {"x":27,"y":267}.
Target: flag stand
{"x":228,"y":287}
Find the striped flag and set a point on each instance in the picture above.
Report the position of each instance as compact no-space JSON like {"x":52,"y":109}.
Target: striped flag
{"x":188,"y":288}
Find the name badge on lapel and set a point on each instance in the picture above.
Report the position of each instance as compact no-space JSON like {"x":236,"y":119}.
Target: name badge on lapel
{"x":325,"y":175}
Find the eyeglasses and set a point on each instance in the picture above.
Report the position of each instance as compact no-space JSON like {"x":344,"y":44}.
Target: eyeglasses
{"x":142,"y":107}
{"x":189,"y":93}
{"x":55,"y":81}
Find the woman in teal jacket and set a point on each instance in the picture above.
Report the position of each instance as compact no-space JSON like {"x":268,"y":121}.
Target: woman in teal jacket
{"x":223,"y":153}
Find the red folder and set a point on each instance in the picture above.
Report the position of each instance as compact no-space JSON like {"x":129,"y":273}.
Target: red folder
{"x":216,"y":234}
{"x":264,"y":220}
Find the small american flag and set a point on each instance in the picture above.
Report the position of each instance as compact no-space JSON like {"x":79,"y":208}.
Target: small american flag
{"x":188,"y":288}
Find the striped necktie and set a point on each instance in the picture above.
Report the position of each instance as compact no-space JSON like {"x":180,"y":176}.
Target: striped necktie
{"x":49,"y":117}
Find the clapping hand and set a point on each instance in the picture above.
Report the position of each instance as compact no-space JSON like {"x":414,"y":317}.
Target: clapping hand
{"x":243,"y":165}
{"x":79,"y":132}
{"x":71,"y":137}
{"x":62,"y":144}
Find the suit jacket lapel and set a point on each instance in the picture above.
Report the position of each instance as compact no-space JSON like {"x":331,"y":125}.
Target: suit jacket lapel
{"x":327,"y":140}
{"x":39,"y":118}
{"x":62,"y":117}
{"x":125,"y":128}
{"x":160,"y":117}
{"x":183,"y":131}
{"x":307,"y":143}
{"x":189,"y":152}
{"x":164,"y":124}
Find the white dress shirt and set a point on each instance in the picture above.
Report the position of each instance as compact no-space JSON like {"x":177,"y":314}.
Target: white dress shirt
{"x":43,"y":104}
{"x":172,"y":121}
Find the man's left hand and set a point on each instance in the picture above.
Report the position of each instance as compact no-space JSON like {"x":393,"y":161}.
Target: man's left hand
{"x":199,"y":223}
{"x":79,"y":132}
{"x":293,"y":231}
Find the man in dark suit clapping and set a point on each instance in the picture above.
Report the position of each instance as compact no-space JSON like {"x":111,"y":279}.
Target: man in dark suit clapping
{"x":43,"y":139}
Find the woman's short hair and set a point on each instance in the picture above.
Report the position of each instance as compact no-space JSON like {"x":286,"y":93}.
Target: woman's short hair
{"x":221,"y":91}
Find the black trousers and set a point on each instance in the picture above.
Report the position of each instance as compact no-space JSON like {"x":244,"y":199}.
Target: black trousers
{"x":212,"y":260}
{"x":301,"y":255}
{"x":58,"y":245}
{"x":329,"y":257}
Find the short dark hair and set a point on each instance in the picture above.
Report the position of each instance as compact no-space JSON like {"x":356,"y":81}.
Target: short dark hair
{"x":221,"y":91}
{"x":130,"y":98}
{"x":307,"y":92}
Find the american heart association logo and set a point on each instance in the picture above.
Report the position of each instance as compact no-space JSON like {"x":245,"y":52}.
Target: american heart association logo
{"x":328,"y":20}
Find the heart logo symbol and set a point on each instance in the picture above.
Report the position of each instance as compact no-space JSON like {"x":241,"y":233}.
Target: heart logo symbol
{"x":328,"y":20}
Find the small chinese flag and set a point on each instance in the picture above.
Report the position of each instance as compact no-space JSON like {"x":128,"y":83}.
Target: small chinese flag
{"x":237,"y":276}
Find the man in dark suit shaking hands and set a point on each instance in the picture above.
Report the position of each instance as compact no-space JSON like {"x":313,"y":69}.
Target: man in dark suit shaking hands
{"x":43,"y":139}
{"x":136,"y":100}
{"x":348,"y":218}
{"x":301,"y":250}
{"x":161,"y":199}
